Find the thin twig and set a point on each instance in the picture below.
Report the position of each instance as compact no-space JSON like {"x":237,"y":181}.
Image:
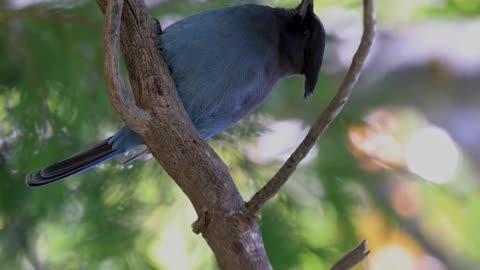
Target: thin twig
{"x":274,"y":185}
{"x":122,"y":103}
{"x":353,"y":258}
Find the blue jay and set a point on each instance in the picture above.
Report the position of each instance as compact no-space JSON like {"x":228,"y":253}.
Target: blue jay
{"x":224,"y":63}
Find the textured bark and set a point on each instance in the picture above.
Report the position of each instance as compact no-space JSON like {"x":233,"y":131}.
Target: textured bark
{"x":159,"y":117}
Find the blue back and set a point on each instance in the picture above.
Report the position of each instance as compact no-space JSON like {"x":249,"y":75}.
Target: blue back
{"x":222,"y":64}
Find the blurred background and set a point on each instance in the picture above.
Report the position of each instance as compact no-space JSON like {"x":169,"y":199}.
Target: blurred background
{"x":399,"y":167}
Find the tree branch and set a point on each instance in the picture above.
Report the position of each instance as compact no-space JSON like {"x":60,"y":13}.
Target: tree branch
{"x":274,"y":185}
{"x":159,"y":118}
{"x":122,"y":104}
{"x":353,"y":258}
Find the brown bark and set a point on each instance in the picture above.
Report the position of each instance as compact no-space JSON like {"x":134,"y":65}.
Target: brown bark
{"x":158,"y":116}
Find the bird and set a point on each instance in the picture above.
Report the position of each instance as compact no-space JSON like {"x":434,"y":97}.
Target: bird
{"x":224,"y":63}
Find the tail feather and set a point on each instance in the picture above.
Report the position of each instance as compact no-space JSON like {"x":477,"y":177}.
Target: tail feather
{"x":78,"y":163}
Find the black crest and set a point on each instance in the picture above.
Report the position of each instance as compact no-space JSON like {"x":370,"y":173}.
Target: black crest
{"x":314,"y":46}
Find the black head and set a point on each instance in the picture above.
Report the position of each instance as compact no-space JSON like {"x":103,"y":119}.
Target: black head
{"x":314,"y":44}
{"x":306,"y":43}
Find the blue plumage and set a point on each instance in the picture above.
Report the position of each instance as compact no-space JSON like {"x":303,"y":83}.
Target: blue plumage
{"x":224,"y":64}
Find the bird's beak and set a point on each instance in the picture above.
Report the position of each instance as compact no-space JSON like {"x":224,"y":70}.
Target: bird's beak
{"x":310,"y":83}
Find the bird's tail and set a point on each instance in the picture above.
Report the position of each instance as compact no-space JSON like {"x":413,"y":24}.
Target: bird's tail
{"x":78,"y":163}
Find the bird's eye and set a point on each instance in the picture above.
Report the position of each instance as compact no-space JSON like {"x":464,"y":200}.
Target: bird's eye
{"x":307,"y":33}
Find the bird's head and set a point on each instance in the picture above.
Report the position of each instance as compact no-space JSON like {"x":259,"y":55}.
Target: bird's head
{"x":304,"y":43}
{"x":314,"y":45}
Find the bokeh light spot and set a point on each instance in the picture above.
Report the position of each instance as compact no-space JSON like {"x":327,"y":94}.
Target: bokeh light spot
{"x":393,"y":258}
{"x":432,"y":154}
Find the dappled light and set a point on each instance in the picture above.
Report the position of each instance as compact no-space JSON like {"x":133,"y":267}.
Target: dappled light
{"x":375,"y":144}
{"x":402,"y":139}
{"x":432,"y":154}
{"x":278,"y":142}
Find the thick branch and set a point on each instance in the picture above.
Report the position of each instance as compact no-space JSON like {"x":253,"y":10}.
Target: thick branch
{"x":274,"y":185}
{"x":159,"y":117}
{"x":123,"y":105}
{"x":353,"y":258}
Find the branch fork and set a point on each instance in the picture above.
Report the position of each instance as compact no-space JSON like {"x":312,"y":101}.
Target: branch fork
{"x":226,"y":222}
